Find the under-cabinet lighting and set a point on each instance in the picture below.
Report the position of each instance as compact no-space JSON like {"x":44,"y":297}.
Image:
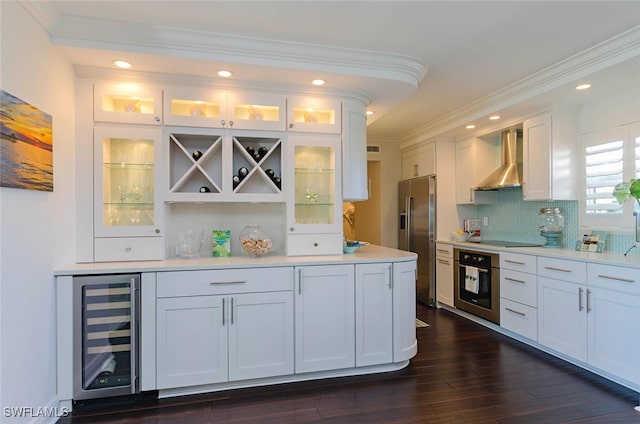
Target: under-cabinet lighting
{"x":122,"y":64}
{"x":583,"y":86}
{"x":494,"y":117}
{"x":318,"y":82}
{"x":224,"y":74}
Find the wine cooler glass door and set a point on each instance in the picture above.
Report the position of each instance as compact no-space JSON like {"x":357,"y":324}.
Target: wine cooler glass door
{"x":105,"y":335}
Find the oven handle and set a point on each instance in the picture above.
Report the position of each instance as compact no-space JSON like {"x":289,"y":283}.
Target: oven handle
{"x":479,"y":269}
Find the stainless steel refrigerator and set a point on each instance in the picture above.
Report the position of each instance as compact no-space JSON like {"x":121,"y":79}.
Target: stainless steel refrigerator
{"x":417,"y":231}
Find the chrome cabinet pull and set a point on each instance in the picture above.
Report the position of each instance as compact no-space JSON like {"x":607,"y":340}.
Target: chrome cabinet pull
{"x":515,"y":281}
{"x":213,"y":283}
{"x":442,"y":251}
{"x":580,"y":290}
{"x":223,"y":122}
{"x":557,"y":269}
{"x":514,"y":262}
{"x":516,"y":312}
{"x":299,"y":281}
{"x":232,"y":311}
{"x":588,"y":303}
{"x":223,"y":314}
{"x":444,"y":261}
{"x":609,"y":277}
{"x":388,"y":271}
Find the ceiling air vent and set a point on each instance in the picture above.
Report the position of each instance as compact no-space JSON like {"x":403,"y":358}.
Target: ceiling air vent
{"x":373,"y":149}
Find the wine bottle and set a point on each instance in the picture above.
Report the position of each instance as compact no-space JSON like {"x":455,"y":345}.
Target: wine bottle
{"x":236,"y":181}
{"x":251,"y":150}
{"x":270,"y":173}
{"x":277,"y":181}
{"x":243,"y":172}
{"x":262,"y":151}
{"x":205,"y":189}
{"x":196,"y":155}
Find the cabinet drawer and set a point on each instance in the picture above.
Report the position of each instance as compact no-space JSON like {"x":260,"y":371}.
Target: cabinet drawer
{"x":129,"y":249}
{"x":519,"y":318}
{"x":519,"y":287}
{"x":518,"y":262}
{"x":561,"y":269}
{"x":223,"y":281}
{"x":314,"y":244}
{"x":617,"y":278}
{"x":445,"y":250}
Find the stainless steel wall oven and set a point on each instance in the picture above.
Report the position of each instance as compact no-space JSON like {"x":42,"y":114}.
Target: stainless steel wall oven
{"x":105,"y":335}
{"x":477,"y":283}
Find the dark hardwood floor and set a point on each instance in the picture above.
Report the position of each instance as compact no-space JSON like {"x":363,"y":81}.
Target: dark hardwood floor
{"x":463,"y":373}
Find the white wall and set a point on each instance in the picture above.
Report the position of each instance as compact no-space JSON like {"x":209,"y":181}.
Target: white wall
{"x":390,"y":174}
{"x":36,"y":228}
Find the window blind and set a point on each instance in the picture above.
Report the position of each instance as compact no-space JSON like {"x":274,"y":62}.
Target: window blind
{"x":604,"y":168}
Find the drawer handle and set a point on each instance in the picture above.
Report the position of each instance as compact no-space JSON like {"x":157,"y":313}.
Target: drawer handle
{"x":442,"y":251}
{"x":609,"y":277}
{"x":516,"y":312}
{"x":515,"y":281}
{"x":514,"y":262}
{"x":479,"y":269}
{"x":552,"y":268}
{"x":213,"y":283}
{"x":444,"y":261}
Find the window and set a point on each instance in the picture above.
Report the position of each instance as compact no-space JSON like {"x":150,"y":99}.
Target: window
{"x":610,"y":157}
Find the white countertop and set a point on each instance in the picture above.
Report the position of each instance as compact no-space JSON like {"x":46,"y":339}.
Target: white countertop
{"x":607,"y":258}
{"x":365,"y":254}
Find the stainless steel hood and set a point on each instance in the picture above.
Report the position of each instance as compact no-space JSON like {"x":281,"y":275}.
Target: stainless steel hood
{"x":510,"y":172}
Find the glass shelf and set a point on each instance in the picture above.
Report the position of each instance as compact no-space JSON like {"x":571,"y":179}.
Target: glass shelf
{"x":195,"y":108}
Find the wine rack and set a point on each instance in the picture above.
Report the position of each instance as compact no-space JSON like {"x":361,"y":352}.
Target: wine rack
{"x":218,"y":166}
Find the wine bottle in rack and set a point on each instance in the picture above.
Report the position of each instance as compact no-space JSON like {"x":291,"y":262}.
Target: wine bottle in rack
{"x":236,"y":181}
{"x":196,"y":154}
{"x":262,"y":151}
{"x":251,"y":150}
{"x":270,"y":173}
{"x":243,"y":172}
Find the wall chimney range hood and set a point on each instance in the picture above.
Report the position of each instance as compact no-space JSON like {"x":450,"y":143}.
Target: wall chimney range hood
{"x":509,"y":174}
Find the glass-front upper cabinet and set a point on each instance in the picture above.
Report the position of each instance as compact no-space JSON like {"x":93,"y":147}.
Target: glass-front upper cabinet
{"x":257,"y":111}
{"x":127,"y":102}
{"x":196,"y":107}
{"x":314,"y":208}
{"x":314,"y":114}
{"x":125,"y":182}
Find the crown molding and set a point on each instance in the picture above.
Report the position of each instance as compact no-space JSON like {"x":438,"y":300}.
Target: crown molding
{"x":596,"y":58}
{"x":106,"y":34}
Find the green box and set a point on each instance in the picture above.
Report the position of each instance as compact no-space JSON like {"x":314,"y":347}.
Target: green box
{"x":221,"y":243}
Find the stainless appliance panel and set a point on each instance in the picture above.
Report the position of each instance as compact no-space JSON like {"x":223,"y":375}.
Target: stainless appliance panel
{"x":486,"y":303}
{"x":416,"y":233}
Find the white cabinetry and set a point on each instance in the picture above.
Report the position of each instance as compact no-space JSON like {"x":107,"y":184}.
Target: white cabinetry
{"x":127,"y":102}
{"x":374,"y":314}
{"x":519,"y":294}
{"x":444,"y":273}
{"x":324,"y":313}
{"x":550,"y":156}
{"x":354,"y":151}
{"x":562,"y":322}
{"x":216,"y":108}
{"x":223,"y":325}
{"x":613,"y":320}
{"x":314,"y":114}
{"x":128,"y":212}
{"x":419,"y":161}
{"x":405,"y":344}
{"x":314,"y":206}
{"x":476,"y":158}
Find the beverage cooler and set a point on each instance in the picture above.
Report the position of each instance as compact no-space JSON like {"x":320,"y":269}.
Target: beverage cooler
{"x":106,"y":311}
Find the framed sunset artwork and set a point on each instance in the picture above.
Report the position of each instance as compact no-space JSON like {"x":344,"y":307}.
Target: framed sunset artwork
{"x":26,"y":145}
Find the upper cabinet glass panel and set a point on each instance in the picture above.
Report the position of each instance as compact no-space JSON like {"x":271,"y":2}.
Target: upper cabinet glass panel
{"x":195,"y":107}
{"x":127,"y":102}
{"x":257,"y":111}
{"x":314,"y":114}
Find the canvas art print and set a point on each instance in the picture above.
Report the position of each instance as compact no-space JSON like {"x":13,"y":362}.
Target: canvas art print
{"x":26,"y":145}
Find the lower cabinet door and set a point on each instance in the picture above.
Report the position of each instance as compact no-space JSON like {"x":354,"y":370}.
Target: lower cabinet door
{"x":562,"y":318}
{"x":405,"y":343}
{"x":260,"y":335}
{"x":374,"y":314}
{"x":191,"y":341}
{"x":324,"y":311}
{"x":614,"y":333}
{"x":519,"y":318}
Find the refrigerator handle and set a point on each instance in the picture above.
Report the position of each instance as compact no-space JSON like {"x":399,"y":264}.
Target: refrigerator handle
{"x":409,"y":201}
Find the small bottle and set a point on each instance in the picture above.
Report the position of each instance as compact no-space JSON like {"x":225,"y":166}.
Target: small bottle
{"x":196,"y":155}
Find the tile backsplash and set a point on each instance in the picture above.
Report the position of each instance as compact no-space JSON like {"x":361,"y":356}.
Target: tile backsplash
{"x":513,"y":219}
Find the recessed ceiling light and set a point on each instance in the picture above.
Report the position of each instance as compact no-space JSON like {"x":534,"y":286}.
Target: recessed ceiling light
{"x":122,"y":64}
{"x":370,"y":112}
{"x":494,"y":117}
{"x":583,"y":86}
{"x":224,"y":74}
{"x":318,"y":82}
{"x":470,"y":126}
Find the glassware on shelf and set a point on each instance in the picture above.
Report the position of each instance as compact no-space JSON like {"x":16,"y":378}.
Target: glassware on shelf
{"x":551,"y":225}
{"x":255,"y":241}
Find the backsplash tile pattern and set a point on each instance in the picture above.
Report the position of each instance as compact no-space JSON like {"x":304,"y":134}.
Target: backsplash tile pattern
{"x":513,"y":219}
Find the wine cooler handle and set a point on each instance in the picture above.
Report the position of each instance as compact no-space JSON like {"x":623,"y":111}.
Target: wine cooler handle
{"x":133,"y":325}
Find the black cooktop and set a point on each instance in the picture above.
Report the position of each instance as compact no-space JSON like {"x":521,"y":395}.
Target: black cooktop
{"x":509,"y":243}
